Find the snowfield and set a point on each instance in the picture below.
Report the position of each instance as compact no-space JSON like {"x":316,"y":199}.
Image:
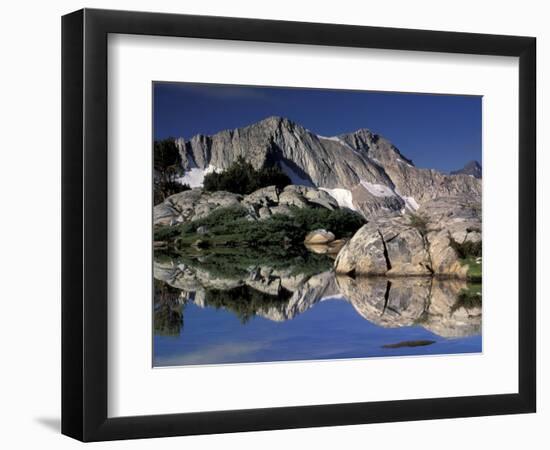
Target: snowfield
{"x":378,"y":190}
{"x":332,"y":297}
{"x":194,"y":177}
{"x":340,"y":141}
{"x":403,"y":162}
{"x":343,"y":197}
{"x":410,"y":203}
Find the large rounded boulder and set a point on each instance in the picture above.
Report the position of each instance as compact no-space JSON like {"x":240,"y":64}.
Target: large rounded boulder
{"x":422,"y":243}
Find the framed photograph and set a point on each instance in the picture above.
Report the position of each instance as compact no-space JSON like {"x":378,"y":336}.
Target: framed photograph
{"x":273,"y":224}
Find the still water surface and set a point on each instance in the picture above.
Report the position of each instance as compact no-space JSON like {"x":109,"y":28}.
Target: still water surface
{"x":207,"y":314}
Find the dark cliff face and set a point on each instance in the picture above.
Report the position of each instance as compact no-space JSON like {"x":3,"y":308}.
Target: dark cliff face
{"x":310,"y":159}
{"x":370,"y":167}
{"x":472,"y":168}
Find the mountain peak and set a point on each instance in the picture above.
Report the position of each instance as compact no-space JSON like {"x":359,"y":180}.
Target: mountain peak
{"x":472,"y":168}
{"x":361,"y":168}
{"x":274,"y":120}
{"x":365,"y":131}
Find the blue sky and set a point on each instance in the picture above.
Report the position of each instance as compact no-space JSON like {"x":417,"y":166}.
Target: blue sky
{"x":435,"y":131}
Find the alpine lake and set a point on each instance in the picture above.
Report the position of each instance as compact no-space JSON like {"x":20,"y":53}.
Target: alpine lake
{"x":235,"y":305}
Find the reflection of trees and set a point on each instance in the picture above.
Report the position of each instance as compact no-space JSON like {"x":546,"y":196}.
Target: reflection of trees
{"x":168,"y":311}
{"x":249,"y":284}
{"x":245,"y":301}
{"x":468,"y":299}
{"x":237,"y":262}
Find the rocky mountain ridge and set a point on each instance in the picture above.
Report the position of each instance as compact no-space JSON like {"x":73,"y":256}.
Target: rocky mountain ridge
{"x":361,"y":170}
{"x":472,"y":168}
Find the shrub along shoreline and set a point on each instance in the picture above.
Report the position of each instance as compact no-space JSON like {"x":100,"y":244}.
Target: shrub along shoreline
{"x":232,"y":227}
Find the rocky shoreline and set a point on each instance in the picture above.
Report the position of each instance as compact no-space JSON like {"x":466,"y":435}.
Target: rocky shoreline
{"x":426,"y":243}
{"x":197,"y":204}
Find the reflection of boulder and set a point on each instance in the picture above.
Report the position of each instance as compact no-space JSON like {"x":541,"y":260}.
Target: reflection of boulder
{"x":282,"y":294}
{"x":407,"y":301}
{"x":188,"y":278}
{"x":389,"y":303}
{"x":414,"y":245}
{"x":443,"y":319}
{"x":263,"y":280}
{"x":304,"y":290}
{"x":311,"y":291}
{"x":332,"y":249}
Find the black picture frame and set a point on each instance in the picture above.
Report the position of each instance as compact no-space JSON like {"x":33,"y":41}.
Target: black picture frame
{"x":84,"y":224}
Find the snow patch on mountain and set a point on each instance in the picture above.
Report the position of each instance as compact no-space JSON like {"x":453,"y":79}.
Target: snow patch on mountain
{"x":332,"y":297}
{"x":194,"y":177}
{"x":410,"y":203}
{"x":340,"y":141}
{"x":378,"y":190}
{"x":403,"y":162}
{"x":343,"y":197}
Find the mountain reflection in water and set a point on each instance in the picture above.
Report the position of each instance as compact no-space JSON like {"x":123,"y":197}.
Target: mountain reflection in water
{"x":222,"y":308}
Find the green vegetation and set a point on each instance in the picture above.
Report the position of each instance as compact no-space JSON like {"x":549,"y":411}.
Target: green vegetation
{"x":232,"y":264}
{"x":168,"y":320}
{"x":167,"y":165}
{"x":342,"y":222}
{"x":469,"y":253}
{"x":227,"y":262}
{"x":168,"y":313}
{"x":166,"y":189}
{"x":466,"y":249}
{"x":217,"y":218}
{"x":469,"y":298}
{"x":245,"y":301}
{"x":166,"y":233}
{"x":242,"y":178}
{"x":474,"y":268}
{"x":231,"y":227}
